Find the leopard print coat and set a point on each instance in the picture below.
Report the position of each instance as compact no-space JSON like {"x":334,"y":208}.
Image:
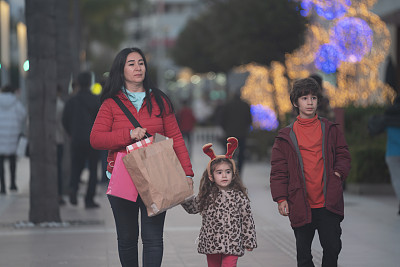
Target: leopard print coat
{"x":227,"y":225}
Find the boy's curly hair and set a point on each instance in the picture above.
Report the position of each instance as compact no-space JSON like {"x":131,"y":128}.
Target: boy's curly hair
{"x":304,"y":87}
{"x":208,"y":190}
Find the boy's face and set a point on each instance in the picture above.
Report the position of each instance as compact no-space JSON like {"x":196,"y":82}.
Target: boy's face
{"x":307,"y":105}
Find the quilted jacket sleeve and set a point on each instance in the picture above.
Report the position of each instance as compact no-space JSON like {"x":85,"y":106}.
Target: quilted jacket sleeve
{"x":103,"y":137}
{"x":191,"y":206}
{"x":172,"y":130}
{"x":279,"y":177}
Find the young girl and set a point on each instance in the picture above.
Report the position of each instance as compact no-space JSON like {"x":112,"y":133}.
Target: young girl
{"x":227,"y":223}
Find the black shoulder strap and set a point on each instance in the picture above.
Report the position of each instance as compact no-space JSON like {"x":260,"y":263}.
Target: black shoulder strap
{"x":131,"y":118}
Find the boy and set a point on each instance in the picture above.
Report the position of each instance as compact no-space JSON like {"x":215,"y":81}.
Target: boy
{"x":309,"y":162}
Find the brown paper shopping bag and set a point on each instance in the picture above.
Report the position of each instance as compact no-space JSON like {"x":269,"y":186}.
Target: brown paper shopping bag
{"x":158,"y":176}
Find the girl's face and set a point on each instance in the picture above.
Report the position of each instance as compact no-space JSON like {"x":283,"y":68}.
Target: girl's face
{"x":307,"y":105}
{"x":222,"y":175}
{"x":134,"y":70}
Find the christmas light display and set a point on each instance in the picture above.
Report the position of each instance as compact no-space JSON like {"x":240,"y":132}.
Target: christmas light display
{"x":347,"y":43}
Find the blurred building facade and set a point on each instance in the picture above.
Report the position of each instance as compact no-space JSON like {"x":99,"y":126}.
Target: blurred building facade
{"x":155,"y":26}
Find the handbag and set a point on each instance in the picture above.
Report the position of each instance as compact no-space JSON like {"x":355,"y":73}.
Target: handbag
{"x":159,"y":177}
{"x":156,"y":172}
{"x":121,"y":184}
{"x":22,"y":146}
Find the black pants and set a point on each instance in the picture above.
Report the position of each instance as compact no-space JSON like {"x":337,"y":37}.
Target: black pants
{"x":126,"y":215}
{"x":82,"y":154}
{"x":60,"y":154}
{"x":328,"y":226}
{"x":13,"y":166}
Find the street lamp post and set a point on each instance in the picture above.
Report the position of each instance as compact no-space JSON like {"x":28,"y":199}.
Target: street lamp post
{"x":23,"y":56}
{"x":5,"y":42}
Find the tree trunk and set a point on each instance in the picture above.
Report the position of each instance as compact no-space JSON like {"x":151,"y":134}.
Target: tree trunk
{"x":41,"y":84}
{"x":75,"y":39}
{"x":64,"y":73}
{"x":63,"y":45}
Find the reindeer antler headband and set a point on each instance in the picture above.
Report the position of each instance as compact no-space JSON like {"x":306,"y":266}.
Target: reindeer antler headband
{"x":230,"y":149}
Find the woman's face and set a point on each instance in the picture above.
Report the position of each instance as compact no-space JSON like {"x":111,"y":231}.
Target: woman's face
{"x":134,"y":70}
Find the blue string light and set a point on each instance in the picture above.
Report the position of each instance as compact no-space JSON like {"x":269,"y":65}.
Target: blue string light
{"x":332,"y":9}
{"x":353,"y":38}
{"x":264,"y":118}
{"x":329,"y":9}
{"x":327,"y":58}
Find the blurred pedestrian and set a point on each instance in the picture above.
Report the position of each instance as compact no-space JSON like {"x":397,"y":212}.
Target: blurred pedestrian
{"x":228,"y":228}
{"x":324,"y":109}
{"x":78,"y":117}
{"x":12,"y":119}
{"x":60,"y":139}
{"x":392,"y":122}
{"x":236,"y":121}
{"x":309,"y":162}
{"x":186,"y":121}
{"x":128,"y":82}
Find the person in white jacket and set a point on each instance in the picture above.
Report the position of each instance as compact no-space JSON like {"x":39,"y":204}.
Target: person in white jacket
{"x":12,"y":117}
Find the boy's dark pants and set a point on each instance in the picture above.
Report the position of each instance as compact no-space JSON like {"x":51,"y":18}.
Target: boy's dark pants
{"x":328,"y":226}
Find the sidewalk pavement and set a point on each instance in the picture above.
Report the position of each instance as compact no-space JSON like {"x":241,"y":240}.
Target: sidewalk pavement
{"x":87,"y":238}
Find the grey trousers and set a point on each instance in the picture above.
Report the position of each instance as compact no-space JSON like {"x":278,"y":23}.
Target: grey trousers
{"x":393,"y":163}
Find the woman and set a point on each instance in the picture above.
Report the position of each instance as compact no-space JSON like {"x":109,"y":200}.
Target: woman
{"x":12,"y":118}
{"x":112,"y":131}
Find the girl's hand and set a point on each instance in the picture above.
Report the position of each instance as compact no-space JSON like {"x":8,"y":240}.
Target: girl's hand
{"x":138,"y":133}
{"x":283,"y":208}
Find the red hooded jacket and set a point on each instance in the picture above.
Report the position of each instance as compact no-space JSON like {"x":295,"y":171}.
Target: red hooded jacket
{"x":287,"y":178}
{"x":111,"y":130}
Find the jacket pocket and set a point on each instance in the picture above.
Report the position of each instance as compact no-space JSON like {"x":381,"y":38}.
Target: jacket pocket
{"x":297,"y":205}
{"x":334,"y":194}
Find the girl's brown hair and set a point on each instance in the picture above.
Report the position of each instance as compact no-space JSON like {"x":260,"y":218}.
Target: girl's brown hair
{"x":208,"y":190}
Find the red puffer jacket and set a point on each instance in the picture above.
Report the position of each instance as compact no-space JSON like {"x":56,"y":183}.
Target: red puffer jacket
{"x":287,"y":178}
{"x":111,"y":130}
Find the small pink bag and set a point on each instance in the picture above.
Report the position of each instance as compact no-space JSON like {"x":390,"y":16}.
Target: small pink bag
{"x":121,"y":184}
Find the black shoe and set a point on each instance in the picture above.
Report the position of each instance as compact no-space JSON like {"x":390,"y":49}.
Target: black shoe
{"x":92,"y":205}
{"x":13,"y":188}
{"x":61,"y":201}
{"x":3,"y":192}
{"x":73,"y":199}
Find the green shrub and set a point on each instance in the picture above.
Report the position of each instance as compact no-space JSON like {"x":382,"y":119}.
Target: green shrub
{"x":259,"y":144}
{"x":367,"y":153}
{"x":368,"y":165}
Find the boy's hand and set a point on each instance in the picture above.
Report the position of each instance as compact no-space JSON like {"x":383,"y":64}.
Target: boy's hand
{"x":283,"y":208}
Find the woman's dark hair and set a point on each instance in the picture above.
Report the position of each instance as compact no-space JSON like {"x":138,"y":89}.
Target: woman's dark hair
{"x":208,"y":190}
{"x":116,"y":81}
{"x":304,"y":87}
